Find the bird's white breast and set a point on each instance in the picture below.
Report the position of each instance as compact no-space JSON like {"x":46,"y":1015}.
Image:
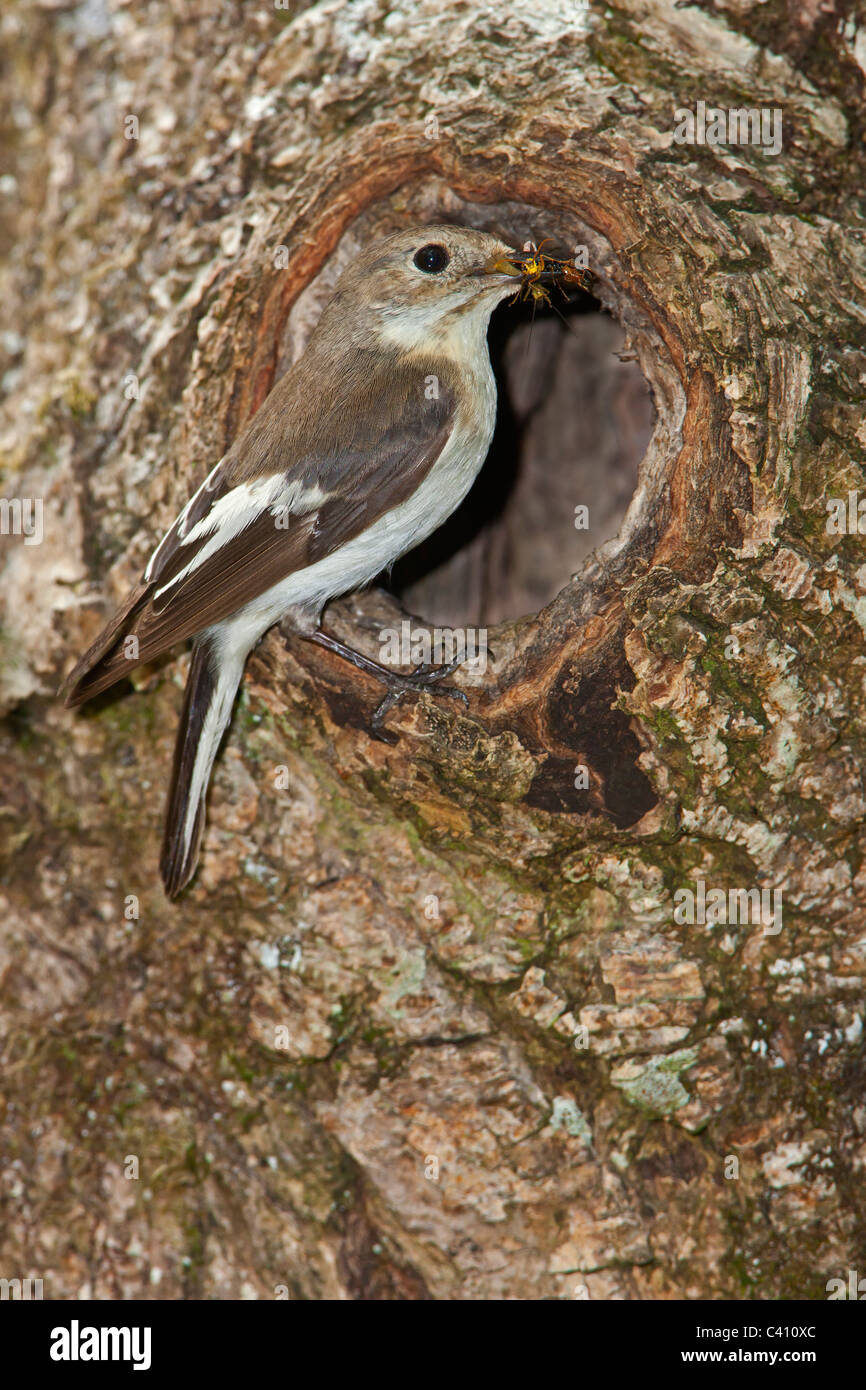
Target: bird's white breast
{"x":364,"y":556}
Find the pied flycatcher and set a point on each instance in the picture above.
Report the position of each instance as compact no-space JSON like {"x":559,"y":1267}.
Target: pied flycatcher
{"x":366,"y":445}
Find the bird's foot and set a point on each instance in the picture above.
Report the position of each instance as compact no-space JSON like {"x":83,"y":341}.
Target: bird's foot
{"x":424,"y":678}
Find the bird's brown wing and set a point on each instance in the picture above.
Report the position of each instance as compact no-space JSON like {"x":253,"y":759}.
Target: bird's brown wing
{"x":235,"y":540}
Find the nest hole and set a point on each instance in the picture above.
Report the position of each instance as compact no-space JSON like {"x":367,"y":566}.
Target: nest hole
{"x":589,"y":426}
{"x":575,"y":418}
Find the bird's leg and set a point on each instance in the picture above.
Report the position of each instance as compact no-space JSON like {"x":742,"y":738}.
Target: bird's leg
{"x":424,"y":677}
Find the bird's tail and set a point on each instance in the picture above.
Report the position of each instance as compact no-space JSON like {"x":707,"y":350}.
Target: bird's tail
{"x":214,"y":677}
{"x":111,"y":657}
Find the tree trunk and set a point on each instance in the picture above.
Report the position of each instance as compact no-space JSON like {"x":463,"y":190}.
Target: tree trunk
{"x":495,"y":1009}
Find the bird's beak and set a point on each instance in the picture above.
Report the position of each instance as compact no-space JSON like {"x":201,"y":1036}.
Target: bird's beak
{"x":501,"y":265}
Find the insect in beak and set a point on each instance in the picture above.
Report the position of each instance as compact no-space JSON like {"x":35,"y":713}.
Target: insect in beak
{"x":538,"y":271}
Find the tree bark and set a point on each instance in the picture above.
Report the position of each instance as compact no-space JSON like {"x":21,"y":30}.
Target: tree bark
{"x":433,"y":1020}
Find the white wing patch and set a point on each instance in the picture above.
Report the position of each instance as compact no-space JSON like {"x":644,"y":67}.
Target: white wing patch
{"x":178,"y":526}
{"x":233,"y":513}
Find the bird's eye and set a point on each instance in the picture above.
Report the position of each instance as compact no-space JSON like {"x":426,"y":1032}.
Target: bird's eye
{"x":431,"y":259}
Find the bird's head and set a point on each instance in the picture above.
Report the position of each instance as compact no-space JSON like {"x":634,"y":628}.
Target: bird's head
{"x":425,"y":285}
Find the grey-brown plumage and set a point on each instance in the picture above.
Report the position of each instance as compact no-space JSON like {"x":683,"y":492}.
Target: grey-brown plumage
{"x":365,"y":446}
{"x":362,"y":471}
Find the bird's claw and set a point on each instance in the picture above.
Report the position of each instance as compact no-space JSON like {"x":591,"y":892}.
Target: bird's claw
{"x":424,"y":677}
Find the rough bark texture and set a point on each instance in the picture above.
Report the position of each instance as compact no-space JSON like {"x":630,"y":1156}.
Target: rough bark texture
{"x":349,"y":1062}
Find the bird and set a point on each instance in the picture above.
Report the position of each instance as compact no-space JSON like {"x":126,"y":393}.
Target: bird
{"x":363,"y":448}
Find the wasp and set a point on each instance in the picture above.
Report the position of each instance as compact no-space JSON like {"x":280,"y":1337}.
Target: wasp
{"x":540,"y":270}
